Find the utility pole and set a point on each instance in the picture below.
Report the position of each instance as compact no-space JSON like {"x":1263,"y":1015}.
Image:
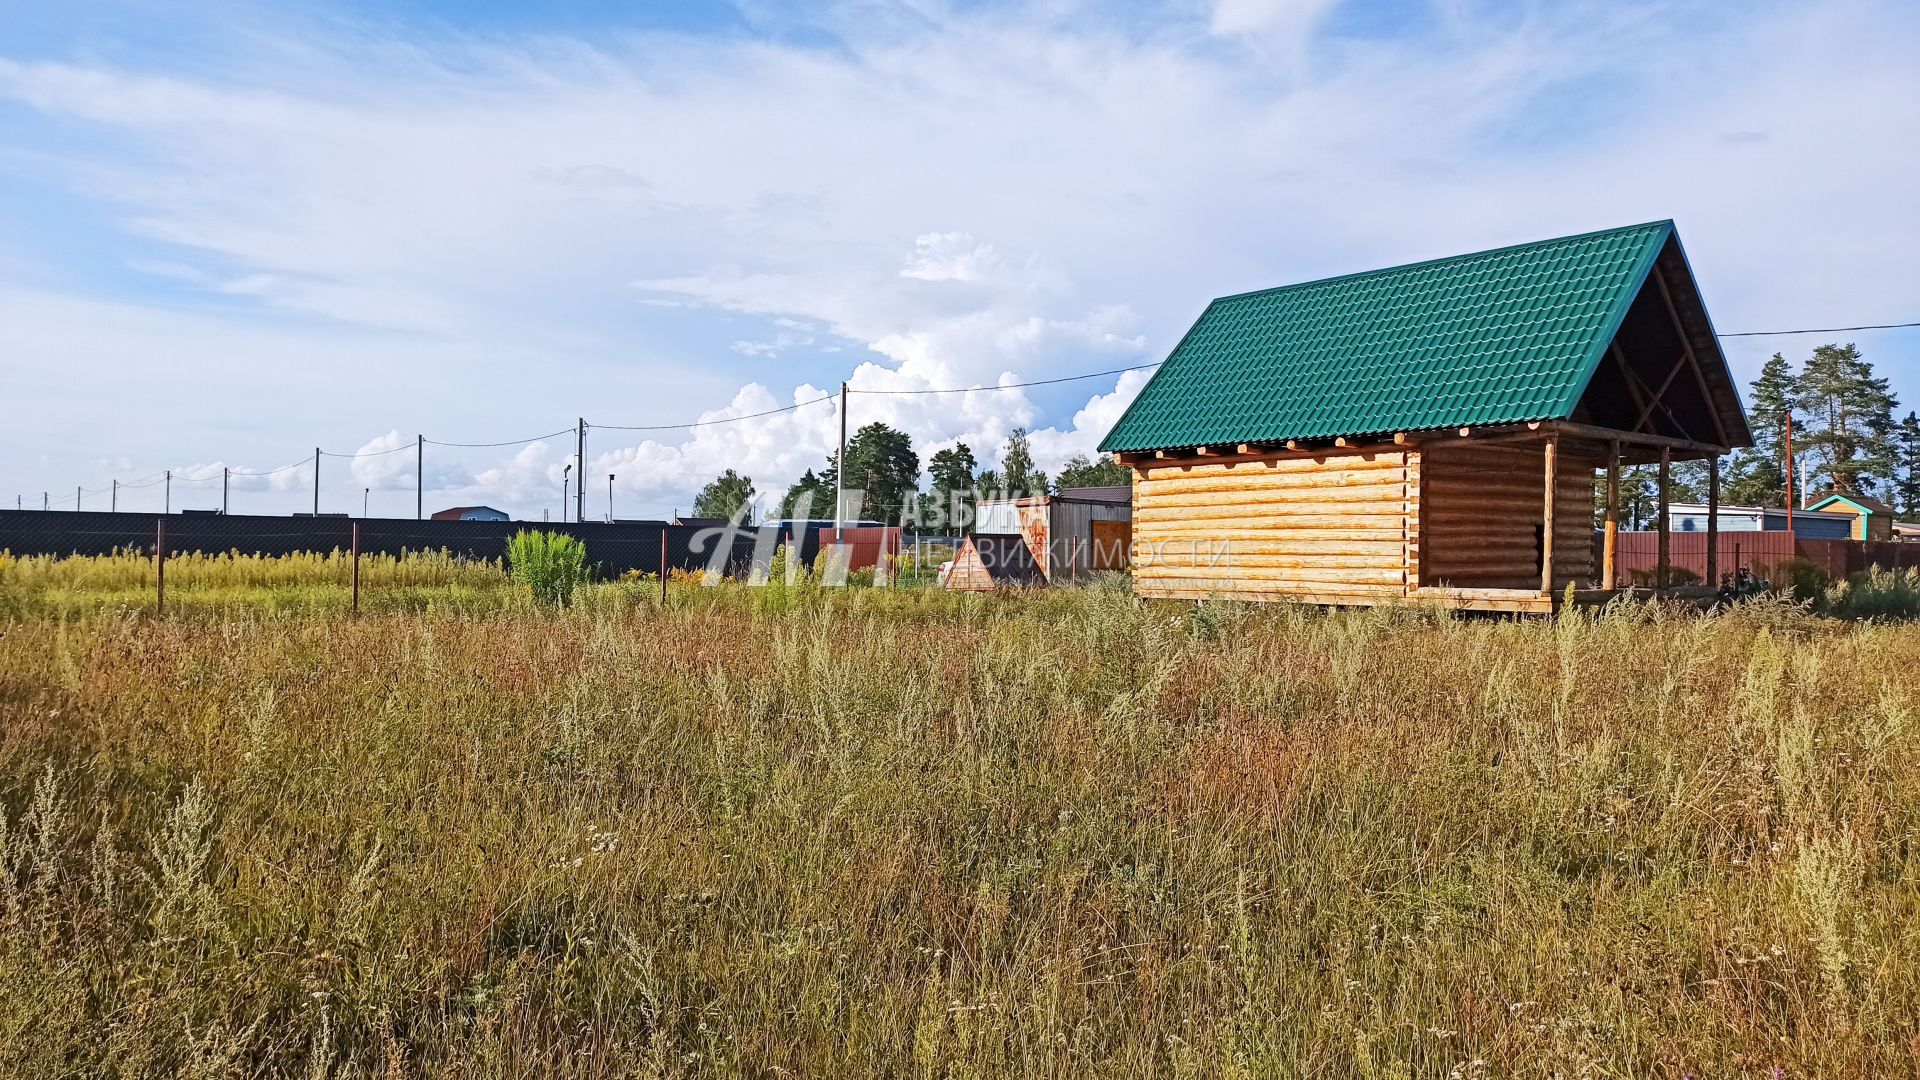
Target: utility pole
{"x":316,"y":481}
{"x":76,"y":498}
{"x":226,"y":473}
{"x":609,"y":498}
{"x":365,"y":494}
{"x":167,"y":506}
{"x":419,"y":476}
{"x":113,"y":503}
{"x":45,"y":503}
{"x":840,"y":473}
{"x":566,"y":477}
{"x":580,"y":455}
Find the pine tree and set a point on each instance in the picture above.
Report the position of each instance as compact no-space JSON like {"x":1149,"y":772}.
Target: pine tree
{"x":882,"y":466}
{"x":1906,"y":490}
{"x":820,"y":488}
{"x":1756,"y":476}
{"x":724,"y":496}
{"x":950,"y":503}
{"x":1850,"y":430}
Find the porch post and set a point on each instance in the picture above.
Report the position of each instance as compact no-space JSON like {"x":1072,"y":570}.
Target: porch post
{"x":1713,"y":522}
{"x":1661,"y":565}
{"x":1546,"y":517}
{"x":1610,"y":549}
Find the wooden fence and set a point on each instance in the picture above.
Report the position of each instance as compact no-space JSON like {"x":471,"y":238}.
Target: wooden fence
{"x":1760,"y":552}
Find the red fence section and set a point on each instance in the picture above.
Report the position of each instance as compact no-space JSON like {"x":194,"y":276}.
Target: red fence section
{"x":1761,"y":552}
{"x":866,"y":543}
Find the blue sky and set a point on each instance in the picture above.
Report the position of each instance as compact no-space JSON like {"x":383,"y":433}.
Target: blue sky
{"x":230,"y":235}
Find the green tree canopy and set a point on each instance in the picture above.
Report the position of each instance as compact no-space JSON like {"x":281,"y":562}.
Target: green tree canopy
{"x":950,"y":504}
{"x":882,"y":465}
{"x":1906,"y":489}
{"x":812,"y":489}
{"x":1756,"y":476}
{"x":1080,"y":472}
{"x":1017,"y":471}
{"x":725,"y":496}
{"x":1850,"y":428}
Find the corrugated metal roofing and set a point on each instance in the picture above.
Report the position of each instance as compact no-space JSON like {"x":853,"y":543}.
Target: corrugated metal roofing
{"x":1499,"y":336}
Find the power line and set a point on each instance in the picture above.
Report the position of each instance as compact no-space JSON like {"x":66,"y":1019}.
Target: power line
{"x":509,"y":442}
{"x":1013,"y":386}
{"x":372,"y":453}
{"x":1828,"y":330}
{"x":710,"y":423}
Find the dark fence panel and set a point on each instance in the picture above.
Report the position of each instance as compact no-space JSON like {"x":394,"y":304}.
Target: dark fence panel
{"x":613,"y":548}
{"x":1639,"y":553}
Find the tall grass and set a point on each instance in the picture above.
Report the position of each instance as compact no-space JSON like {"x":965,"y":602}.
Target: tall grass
{"x":909,"y":833}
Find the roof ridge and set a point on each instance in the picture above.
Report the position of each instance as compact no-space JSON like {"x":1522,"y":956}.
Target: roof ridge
{"x":1445,"y":259}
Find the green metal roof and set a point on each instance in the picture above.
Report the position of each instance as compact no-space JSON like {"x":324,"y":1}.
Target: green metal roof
{"x":1500,"y":336}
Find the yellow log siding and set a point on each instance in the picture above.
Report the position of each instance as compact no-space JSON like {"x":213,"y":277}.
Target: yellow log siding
{"x":1330,"y":529}
{"x":1480,"y":512}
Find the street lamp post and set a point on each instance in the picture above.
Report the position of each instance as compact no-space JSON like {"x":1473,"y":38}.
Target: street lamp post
{"x":566,"y":473}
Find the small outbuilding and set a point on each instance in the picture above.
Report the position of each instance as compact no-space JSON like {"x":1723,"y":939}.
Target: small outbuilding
{"x":1872,"y":519}
{"x":1071,"y":535}
{"x":1429,"y":431}
{"x":469,"y":513}
{"x":1806,"y":524}
{"x":989,"y":561}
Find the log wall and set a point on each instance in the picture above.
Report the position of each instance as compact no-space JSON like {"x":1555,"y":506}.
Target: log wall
{"x":1481,"y":509}
{"x":1330,"y":529}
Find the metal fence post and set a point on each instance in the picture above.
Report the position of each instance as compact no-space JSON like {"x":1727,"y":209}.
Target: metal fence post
{"x":159,"y":565}
{"x":355,"y":542}
{"x":663,"y":564}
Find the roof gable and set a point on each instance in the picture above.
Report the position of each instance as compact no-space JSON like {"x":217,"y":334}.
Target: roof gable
{"x":1863,"y":503}
{"x":1503,"y":336}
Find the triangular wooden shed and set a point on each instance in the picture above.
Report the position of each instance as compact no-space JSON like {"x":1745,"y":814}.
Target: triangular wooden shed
{"x":1429,"y":431}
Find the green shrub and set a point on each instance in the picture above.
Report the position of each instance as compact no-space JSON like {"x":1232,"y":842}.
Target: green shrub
{"x":1806,"y":580}
{"x":551,"y":565}
{"x":1879,"y":593}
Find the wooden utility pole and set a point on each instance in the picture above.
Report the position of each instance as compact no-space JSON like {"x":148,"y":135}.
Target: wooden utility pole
{"x":1713,"y":522}
{"x":1610,"y":546}
{"x":1661,"y":564}
{"x":1547,"y":515}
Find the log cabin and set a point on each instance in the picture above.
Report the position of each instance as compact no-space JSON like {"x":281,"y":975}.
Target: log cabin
{"x":1429,"y":432}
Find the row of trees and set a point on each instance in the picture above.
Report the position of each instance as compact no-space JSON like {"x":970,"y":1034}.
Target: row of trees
{"x":1846,"y":439}
{"x":884,"y":467}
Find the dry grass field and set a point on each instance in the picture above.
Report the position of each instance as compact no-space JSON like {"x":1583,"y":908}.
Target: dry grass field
{"x":802,"y":832}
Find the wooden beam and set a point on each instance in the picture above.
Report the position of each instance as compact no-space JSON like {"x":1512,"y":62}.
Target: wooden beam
{"x":1647,"y":411}
{"x":1662,"y":563}
{"x":1547,"y":518}
{"x":1295,"y":444}
{"x":1401,"y":438}
{"x":1632,"y":380}
{"x":1610,"y":547}
{"x":1713,"y":523}
{"x":1342,"y":441}
{"x":1693,"y":361}
{"x":1642,"y":438}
